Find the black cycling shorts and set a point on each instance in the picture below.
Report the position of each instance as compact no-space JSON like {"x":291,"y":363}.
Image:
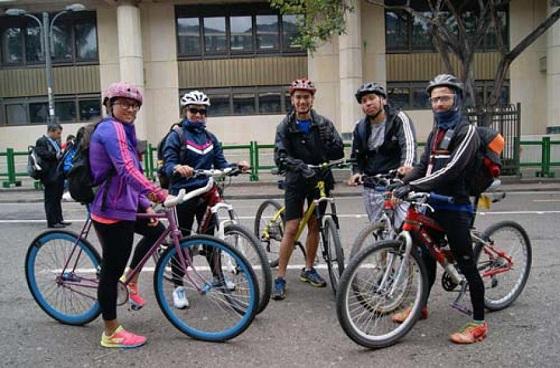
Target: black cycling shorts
{"x":294,"y":200}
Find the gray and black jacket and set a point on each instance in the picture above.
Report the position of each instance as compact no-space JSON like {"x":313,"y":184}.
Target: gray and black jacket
{"x":446,"y":171}
{"x":398,"y":148}
{"x":293,"y":147}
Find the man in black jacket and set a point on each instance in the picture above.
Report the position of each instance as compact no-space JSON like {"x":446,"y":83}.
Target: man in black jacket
{"x":303,"y":137}
{"x":49,"y":151}
{"x":382,"y":141}
{"x":444,"y":169}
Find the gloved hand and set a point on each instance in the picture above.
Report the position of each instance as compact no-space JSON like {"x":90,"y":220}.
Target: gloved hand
{"x":324,"y":133}
{"x":401,"y":191}
{"x":307,"y":172}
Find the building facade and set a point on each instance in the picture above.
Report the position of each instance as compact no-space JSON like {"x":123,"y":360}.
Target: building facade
{"x":242,"y":54}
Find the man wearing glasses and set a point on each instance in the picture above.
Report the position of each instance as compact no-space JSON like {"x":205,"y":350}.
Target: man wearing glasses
{"x":444,"y":169}
{"x":195,"y":149}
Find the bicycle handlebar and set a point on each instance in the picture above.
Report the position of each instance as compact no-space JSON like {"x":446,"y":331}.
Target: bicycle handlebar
{"x":215,"y":173}
{"x":183,"y":196}
{"x":423,"y":196}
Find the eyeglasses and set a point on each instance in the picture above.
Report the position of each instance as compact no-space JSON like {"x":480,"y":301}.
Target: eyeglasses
{"x":194,"y":111}
{"x":128,"y":105}
{"x":443,"y":98}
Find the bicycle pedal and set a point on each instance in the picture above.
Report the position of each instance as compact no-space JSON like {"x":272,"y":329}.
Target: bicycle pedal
{"x":461,"y":308}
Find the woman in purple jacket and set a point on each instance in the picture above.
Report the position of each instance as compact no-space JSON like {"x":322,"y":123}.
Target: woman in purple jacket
{"x":123,"y":191}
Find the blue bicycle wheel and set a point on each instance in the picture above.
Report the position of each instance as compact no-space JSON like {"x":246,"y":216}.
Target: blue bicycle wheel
{"x":61,"y":272}
{"x":220,"y":285}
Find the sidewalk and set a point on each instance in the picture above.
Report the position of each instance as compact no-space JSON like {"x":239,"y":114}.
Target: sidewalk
{"x":242,"y":188}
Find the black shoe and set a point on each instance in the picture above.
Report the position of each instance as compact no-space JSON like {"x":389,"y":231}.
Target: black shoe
{"x":57,"y":226}
{"x":65,"y":223}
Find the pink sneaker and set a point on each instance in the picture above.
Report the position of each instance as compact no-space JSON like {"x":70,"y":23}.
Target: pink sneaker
{"x":135,"y":300}
{"x":121,"y":338}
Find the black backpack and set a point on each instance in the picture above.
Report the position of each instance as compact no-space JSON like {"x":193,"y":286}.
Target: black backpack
{"x":80,"y":182}
{"x":34,"y":168}
{"x":488,"y":164}
{"x":164,"y":180}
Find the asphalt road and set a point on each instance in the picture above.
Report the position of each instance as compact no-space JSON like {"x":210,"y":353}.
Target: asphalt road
{"x":301,"y":331}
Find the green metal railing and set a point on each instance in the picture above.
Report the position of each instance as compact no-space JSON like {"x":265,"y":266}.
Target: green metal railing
{"x":253,"y":153}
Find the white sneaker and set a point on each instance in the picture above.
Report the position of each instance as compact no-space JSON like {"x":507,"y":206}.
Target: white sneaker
{"x":230,"y":285}
{"x":67,"y":197}
{"x":180,"y":300}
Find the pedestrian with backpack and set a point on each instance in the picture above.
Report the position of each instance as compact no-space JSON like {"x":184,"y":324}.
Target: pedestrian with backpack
{"x":123,"y":191}
{"x":445,"y":168}
{"x":188,"y":148}
{"x":50,"y":153}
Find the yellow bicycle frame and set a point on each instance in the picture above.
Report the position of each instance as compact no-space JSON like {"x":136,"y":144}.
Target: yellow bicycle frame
{"x":307,"y":215}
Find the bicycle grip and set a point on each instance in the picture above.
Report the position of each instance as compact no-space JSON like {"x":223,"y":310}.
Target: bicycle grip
{"x":442,"y":198}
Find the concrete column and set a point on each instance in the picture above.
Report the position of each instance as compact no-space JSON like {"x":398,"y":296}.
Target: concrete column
{"x":350,"y":69}
{"x":527,"y":78}
{"x":131,"y":60}
{"x":162,"y":73}
{"x":323,"y":71}
{"x":553,"y":72}
{"x":373,"y":40}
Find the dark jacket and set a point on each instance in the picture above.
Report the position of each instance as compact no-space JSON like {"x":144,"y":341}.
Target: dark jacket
{"x":197,"y":148}
{"x":113,"y":155}
{"x":293,"y":146}
{"x":450,"y":168}
{"x":398,"y":148}
{"x":49,"y":160}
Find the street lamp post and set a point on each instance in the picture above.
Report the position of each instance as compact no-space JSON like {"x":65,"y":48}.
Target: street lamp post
{"x":46,"y":42}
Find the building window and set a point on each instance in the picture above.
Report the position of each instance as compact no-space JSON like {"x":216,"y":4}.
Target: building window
{"x":247,"y":100}
{"x":12,"y":45}
{"x":412,"y":95}
{"x":213,"y":31}
{"x":406,"y":33}
{"x":74,"y":40}
{"x":35,"y":110}
{"x":267,"y":32}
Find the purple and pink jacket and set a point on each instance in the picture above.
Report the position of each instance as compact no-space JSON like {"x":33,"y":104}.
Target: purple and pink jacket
{"x":112,"y":151}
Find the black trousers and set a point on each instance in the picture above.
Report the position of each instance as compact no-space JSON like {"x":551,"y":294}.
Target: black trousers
{"x":53,"y":195}
{"x":116,"y":243}
{"x":186,"y":213}
{"x":457,"y":228}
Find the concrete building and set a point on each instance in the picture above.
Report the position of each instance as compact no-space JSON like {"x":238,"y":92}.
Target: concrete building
{"x":241,"y":53}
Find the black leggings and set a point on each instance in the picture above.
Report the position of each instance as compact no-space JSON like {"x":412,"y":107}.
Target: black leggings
{"x":186,"y":213}
{"x":457,"y":227}
{"x":116,"y":243}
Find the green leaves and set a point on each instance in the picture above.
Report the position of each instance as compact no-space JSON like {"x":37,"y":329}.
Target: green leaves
{"x":320,"y":19}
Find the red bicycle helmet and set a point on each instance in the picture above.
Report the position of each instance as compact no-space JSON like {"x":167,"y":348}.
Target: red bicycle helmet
{"x":302,"y":84}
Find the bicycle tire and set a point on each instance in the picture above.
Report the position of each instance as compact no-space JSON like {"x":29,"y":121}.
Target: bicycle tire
{"x":367,"y":236}
{"x":70,"y":298}
{"x":498,"y":235}
{"x":255,"y":254}
{"x":334,"y":252}
{"x":211,"y":299}
{"x":374,"y":294}
{"x":271,"y":244}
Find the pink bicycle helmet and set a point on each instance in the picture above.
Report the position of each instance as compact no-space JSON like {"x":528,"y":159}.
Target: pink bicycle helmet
{"x":122,"y":89}
{"x":302,"y":84}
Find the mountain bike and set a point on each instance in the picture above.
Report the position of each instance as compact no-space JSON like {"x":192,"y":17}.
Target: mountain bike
{"x":231,"y":231}
{"x":62,"y":270}
{"x":389,"y":276}
{"x":269,"y":226}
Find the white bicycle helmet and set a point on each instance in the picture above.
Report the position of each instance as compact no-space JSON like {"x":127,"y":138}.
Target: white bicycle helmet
{"x":195,"y":98}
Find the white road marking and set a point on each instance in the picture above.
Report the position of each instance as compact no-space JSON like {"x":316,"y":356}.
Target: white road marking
{"x":350,"y":216}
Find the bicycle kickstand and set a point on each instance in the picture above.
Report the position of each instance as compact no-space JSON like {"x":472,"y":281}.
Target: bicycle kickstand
{"x":457,"y":302}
